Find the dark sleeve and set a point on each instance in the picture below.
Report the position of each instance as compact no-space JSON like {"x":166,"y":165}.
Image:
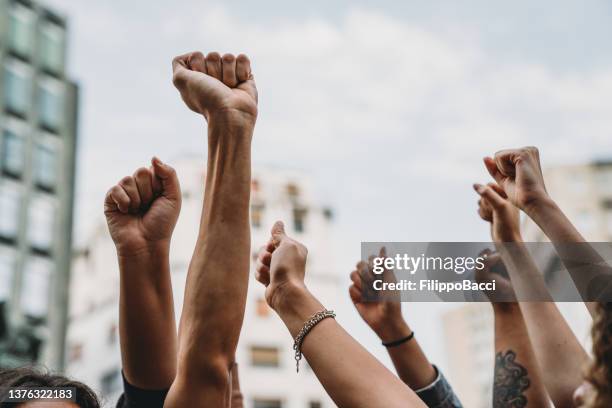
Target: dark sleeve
{"x":439,"y":393}
{"x":134,"y":397}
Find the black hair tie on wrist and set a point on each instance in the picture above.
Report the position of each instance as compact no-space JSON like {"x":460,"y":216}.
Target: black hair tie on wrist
{"x":398,"y":342}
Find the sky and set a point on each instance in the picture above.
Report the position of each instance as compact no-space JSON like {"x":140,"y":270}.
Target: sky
{"x":389,"y":105}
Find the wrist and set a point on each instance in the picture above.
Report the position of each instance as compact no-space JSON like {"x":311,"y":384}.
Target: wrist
{"x":393,"y":330}
{"x":505,"y":308}
{"x":232,"y":116}
{"x":147,"y":250}
{"x":541,"y":205}
{"x":284,"y":297}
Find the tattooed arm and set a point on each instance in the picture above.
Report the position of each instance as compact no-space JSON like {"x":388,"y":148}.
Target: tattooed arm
{"x":517,"y":382}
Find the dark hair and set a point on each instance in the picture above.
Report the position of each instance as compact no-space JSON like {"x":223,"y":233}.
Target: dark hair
{"x":41,"y":377}
{"x":600,"y":371}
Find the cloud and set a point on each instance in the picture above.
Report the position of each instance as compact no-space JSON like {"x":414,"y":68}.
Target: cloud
{"x":364,"y":102}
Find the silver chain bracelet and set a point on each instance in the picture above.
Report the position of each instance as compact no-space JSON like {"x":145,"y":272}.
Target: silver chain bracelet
{"x":310,"y":323}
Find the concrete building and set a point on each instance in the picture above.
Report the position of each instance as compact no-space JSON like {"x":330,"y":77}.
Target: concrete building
{"x":265,"y":355}
{"x":38,"y":117}
{"x":584,"y":193}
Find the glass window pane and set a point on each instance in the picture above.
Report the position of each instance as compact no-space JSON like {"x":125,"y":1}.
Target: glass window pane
{"x":12,"y":159}
{"x":50,"y":104}
{"x":262,"y":356}
{"x":10,"y":204}
{"x":17,"y":90}
{"x":52,"y":47}
{"x":7,"y":267}
{"x":21,"y":30}
{"x":41,"y":222}
{"x":45,"y":166}
{"x":36,"y":286}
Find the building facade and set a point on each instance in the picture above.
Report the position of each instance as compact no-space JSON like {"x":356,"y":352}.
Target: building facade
{"x":265,"y":355}
{"x":38,"y":116}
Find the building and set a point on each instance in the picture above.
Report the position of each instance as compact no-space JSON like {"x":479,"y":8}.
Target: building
{"x":38,"y":117}
{"x":584,"y":193}
{"x":267,"y":367}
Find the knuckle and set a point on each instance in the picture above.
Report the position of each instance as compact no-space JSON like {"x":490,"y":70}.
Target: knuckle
{"x":213,"y":56}
{"x":228,"y":57}
{"x":126,"y":181}
{"x":141,"y":172}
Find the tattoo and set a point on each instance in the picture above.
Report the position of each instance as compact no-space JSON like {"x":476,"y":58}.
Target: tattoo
{"x":510,"y":382}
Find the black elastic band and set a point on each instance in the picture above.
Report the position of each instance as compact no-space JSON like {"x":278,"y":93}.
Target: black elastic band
{"x":398,"y":342}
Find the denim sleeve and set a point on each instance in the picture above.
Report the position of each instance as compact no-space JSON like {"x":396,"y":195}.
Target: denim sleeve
{"x":439,"y":393}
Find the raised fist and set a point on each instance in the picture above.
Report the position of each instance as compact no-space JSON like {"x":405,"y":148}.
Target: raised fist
{"x":142,"y":209}
{"x":384,"y":316}
{"x":215,"y":84}
{"x":519,"y":174}
{"x":495,"y":270}
{"x":281,"y":264}
{"x":495,"y":208}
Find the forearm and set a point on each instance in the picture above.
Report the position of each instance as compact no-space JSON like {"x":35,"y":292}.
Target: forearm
{"x":550,"y":335}
{"x":517,"y":376}
{"x":351,"y":376}
{"x":217,"y":280}
{"x":147,"y":327}
{"x":580,"y":259}
{"x":409,"y":360}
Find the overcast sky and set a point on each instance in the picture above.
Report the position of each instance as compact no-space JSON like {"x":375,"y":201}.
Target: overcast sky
{"x":390,"y":106}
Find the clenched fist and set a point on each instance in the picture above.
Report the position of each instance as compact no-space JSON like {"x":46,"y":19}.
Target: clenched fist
{"x":384,"y":315}
{"x":142,"y":209}
{"x":215,"y":84}
{"x":495,"y":208}
{"x":281,"y":265}
{"x":519,"y":173}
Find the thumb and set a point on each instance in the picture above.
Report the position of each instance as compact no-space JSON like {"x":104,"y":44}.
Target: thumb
{"x":169,"y":181}
{"x":493,"y":198}
{"x":278,"y":233}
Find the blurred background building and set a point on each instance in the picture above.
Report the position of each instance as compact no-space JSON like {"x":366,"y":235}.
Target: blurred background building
{"x":584,"y":193}
{"x":265,"y":355}
{"x":38,"y":116}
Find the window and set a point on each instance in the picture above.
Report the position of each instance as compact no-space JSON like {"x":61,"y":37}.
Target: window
{"x":262,"y":356}
{"x":293,"y":190}
{"x":17,"y":89}
{"x":262,"y":308}
{"x":41,"y":222}
{"x":50,"y":101}
{"x":36,"y":286}
{"x":299,"y":219}
{"x":257,"y":214}
{"x":7,"y":268}
{"x":75,"y":352}
{"x":21,"y":30}
{"x":52,"y":38}
{"x":45,"y":166}
{"x":267,"y":403}
{"x":10,"y":205}
{"x":110,"y":382}
{"x":12,"y":150}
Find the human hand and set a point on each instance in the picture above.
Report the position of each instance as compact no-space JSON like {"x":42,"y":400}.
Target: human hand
{"x":384,"y":316}
{"x":281,"y":266}
{"x":141,"y":210}
{"x":214,"y":85}
{"x":495,"y":270}
{"x":495,"y":208}
{"x":518,"y":173}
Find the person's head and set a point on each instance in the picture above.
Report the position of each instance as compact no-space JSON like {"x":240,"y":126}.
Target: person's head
{"x":39,"y":377}
{"x":597,"y":393}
